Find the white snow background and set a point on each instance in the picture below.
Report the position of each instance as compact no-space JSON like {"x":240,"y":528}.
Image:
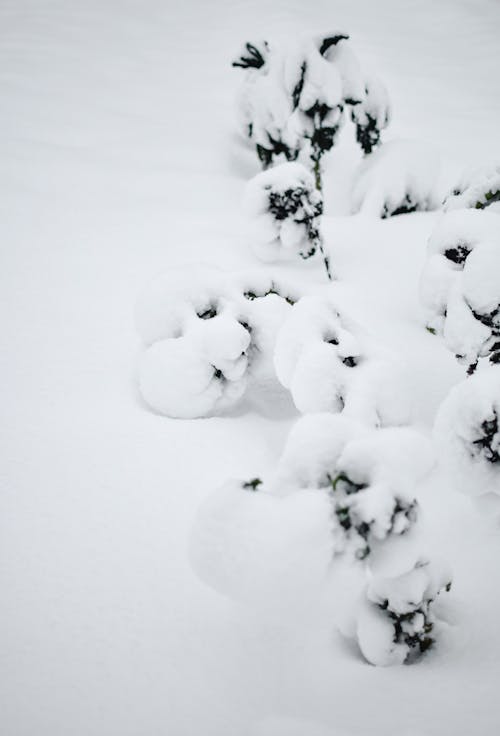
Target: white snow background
{"x":119,"y":160}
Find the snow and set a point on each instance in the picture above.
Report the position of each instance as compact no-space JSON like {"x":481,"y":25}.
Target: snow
{"x":120,"y":162}
{"x":328,"y":364}
{"x":460,"y":284}
{"x":284,"y":211}
{"x":467,"y":431}
{"x":400,"y":176}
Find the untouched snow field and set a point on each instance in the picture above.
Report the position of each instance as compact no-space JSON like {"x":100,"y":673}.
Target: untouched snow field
{"x":119,"y":161}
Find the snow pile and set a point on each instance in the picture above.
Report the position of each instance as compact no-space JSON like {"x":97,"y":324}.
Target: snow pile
{"x":398,"y":178}
{"x":479,"y":189}
{"x":293,"y":99}
{"x":284,"y":210}
{"x":468,"y":433}
{"x":265,"y":551}
{"x":208,"y":335}
{"x":396,"y":622}
{"x":329,"y":364}
{"x":460,"y":284}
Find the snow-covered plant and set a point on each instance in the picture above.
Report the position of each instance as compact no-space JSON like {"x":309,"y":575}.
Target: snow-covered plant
{"x":397,"y":622}
{"x":479,"y":190}
{"x":372,"y":114}
{"x":398,"y":178}
{"x":467,"y":430}
{"x":328,"y":364}
{"x":460,"y":284}
{"x":293,"y":100}
{"x":369,"y":475}
{"x":284,"y":209}
{"x":208,"y":334}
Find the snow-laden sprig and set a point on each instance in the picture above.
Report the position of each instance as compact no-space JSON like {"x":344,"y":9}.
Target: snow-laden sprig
{"x":329,"y":363}
{"x":479,"y":189}
{"x":396,"y":623}
{"x":207,"y":335}
{"x":467,"y":431}
{"x":293,"y":100}
{"x":460,"y":284}
{"x":284,"y":211}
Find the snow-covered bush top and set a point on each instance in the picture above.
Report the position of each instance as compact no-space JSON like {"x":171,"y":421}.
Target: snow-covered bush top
{"x":479,"y":190}
{"x":293,"y":100}
{"x":328,"y":364}
{"x":372,"y":114}
{"x":206,"y":332}
{"x":467,"y":430}
{"x":460,"y":284}
{"x":370,"y":476}
{"x":398,"y":178}
{"x":284,"y":210}
{"x":395,"y":624}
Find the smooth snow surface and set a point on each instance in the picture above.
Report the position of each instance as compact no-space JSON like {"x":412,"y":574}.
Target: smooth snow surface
{"x":120,"y":162}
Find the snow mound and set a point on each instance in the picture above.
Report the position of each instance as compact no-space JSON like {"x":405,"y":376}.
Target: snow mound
{"x":328,"y":364}
{"x":269,"y":552}
{"x":209,"y":336}
{"x":478,"y":189}
{"x":399,"y":177}
{"x":460,"y":284}
{"x":468,"y":433}
{"x":396,"y":621}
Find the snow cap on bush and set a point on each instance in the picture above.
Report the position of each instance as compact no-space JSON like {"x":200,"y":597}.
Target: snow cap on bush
{"x":398,"y":178}
{"x":396,"y":621}
{"x":478,"y":189}
{"x":328,"y":364}
{"x":207,"y":335}
{"x":467,"y":430}
{"x":370,"y":476}
{"x":284,"y":210}
{"x":460,"y":284}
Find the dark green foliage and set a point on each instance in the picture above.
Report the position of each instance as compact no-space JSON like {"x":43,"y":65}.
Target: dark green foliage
{"x":367,"y":133}
{"x":252,"y":485}
{"x":251,"y":295}
{"x":488,"y":444}
{"x":255,"y":58}
{"x":458,"y":254}
{"x":489,"y":198}
{"x":407,"y":206}
{"x":350,"y":518}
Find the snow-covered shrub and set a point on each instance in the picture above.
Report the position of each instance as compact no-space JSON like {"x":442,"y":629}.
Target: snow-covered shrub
{"x":328,"y":364}
{"x":207,"y":334}
{"x":460,"y":284}
{"x":396,"y":622}
{"x":479,"y":190}
{"x":293,"y":100}
{"x":467,"y":430}
{"x":372,"y":114}
{"x":398,"y":178}
{"x":369,"y":475}
{"x":284,"y":209}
